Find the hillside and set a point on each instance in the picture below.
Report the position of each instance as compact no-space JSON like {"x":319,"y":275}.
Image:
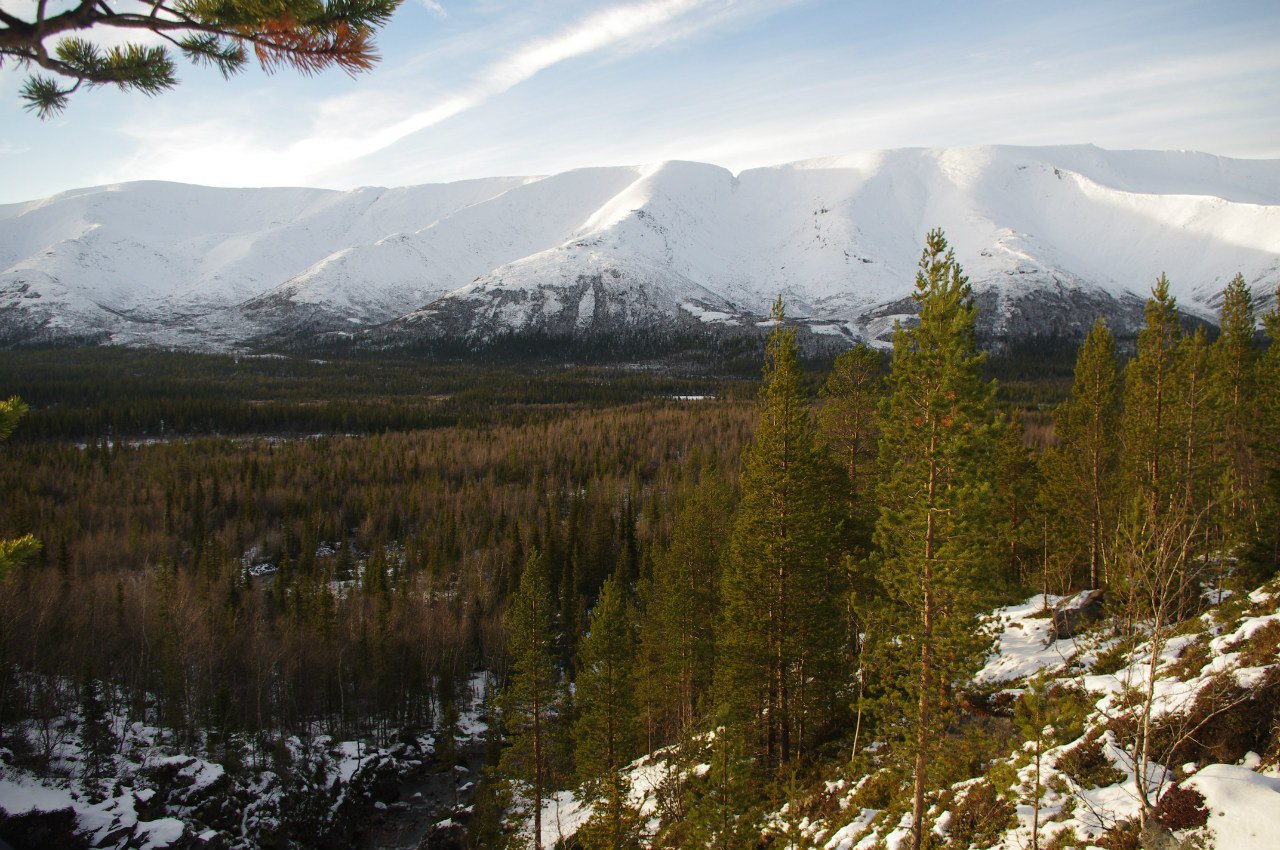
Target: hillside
{"x":1050,"y":237}
{"x":1216,"y":705}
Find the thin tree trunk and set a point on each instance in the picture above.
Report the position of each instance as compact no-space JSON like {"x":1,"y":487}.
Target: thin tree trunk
{"x":923,"y":717}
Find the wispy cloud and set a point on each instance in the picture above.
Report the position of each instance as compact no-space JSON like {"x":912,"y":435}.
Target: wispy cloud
{"x":356,"y":126}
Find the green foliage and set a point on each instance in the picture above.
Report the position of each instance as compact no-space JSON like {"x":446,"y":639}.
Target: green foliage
{"x":1234,"y":389}
{"x":1080,"y":490}
{"x":97,"y":738}
{"x":14,"y":553}
{"x":779,"y":639}
{"x":531,"y":702}
{"x":606,"y":733}
{"x":1051,"y":713}
{"x":307,"y":35}
{"x":90,"y":394}
{"x":1151,"y":444}
{"x":680,"y":610}
{"x":979,"y":816}
{"x":847,"y":425}
{"x":1264,"y":548}
{"x":1014,"y":522}
{"x":723,"y":810}
{"x":936,"y":445}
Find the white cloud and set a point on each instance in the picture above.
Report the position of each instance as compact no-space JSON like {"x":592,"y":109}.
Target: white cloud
{"x":436,"y":8}
{"x":355,"y":126}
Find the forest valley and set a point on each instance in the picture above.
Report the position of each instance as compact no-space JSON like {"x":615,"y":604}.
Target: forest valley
{"x":884,"y":604}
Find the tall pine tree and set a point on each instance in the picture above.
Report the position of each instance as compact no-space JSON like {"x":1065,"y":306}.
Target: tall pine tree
{"x":606,"y":733}
{"x":1081,"y":471}
{"x":530,"y":703}
{"x":847,"y":423}
{"x":1235,"y":357}
{"x":681,"y":602}
{"x":1266,"y":548}
{"x":780,"y":634}
{"x":935,"y":445}
{"x":1151,"y":440}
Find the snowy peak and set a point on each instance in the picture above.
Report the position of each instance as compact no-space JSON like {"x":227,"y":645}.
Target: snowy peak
{"x":1050,"y":238}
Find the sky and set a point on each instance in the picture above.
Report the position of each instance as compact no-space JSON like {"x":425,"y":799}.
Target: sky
{"x":477,"y":88}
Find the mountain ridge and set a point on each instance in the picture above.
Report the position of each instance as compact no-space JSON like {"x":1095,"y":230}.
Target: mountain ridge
{"x":1050,"y":237}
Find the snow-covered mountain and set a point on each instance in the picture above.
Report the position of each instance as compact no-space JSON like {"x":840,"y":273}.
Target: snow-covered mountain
{"x":1050,"y":237}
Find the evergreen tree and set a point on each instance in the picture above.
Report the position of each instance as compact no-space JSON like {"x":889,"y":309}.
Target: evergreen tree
{"x":1081,"y":471}
{"x":97,"y":739}
{"x":936,"y":443}
{"x":780,"y":633}
{"x":1015,"y":482}
{"x":530,"y":703}
{"x":14,"y":552}
{"x":1194,"y":419}
{"x":1151,"y":440}
{"x":1266,"y":550}
{"x":1235,"y":357}
{"x":606,"y":732}
{"x":681,"y":603}
{"x":309,"y":35}
{"x":847,"y":423}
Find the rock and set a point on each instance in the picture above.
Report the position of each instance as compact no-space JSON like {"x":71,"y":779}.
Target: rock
{"x":1071,"y":616}
{"x":36,"y":830}
{"x":446,"y":835}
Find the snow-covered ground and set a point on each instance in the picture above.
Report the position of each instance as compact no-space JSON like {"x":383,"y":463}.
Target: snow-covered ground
{"x":1242,"y":799}
{"x":155,"y":794}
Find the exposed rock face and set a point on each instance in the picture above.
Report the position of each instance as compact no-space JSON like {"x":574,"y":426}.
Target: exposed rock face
{"x":1073,"y":615}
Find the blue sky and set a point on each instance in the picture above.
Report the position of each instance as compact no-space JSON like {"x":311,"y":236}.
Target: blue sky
{"x":472,"y":88}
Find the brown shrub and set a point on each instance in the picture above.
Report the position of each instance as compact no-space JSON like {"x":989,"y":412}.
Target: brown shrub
{"x":1228,"y":721}
{"x":1182,"y":808}
{"x":1191,"y":660}
{"x":1259,"y":650}
{"x":1088,"y":765}
{"x":979,"y":816}
{"x":1125,"y":835}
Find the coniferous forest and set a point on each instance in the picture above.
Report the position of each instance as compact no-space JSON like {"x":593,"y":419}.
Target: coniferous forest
{"x":759,"y":591}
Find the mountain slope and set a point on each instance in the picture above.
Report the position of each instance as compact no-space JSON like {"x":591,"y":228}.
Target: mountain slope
{"x":1050,"y":237}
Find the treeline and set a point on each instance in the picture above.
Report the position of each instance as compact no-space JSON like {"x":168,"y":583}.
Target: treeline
{"x":100,"y":394}
{"x":108,"y":393}
{"x":836,"y":599}
{"x":236,"y":591}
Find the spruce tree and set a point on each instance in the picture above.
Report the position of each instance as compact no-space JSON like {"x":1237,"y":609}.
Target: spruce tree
{"x":779,"y":639}
{"x":606,"y":733}
{"x":935,"y":447}
{"x":1081,"y":471}
{"x":530,"y":703}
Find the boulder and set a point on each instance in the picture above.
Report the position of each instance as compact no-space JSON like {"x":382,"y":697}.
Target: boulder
{"x":1071,"y":616}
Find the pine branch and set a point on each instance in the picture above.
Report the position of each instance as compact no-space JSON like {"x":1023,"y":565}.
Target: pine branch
{"x":307,"y":35}
{"x":211,"y":50}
